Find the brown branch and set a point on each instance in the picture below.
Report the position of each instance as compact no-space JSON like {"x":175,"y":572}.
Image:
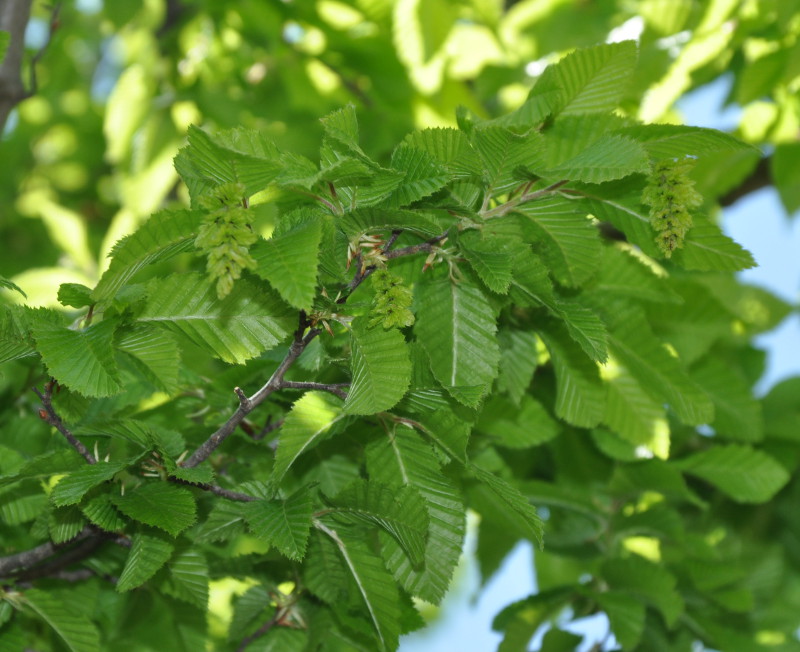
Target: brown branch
{"x":48,"y":414}
{"x":216,"y":490}
{"x":260,"y":631}
{"x":28,"y":558}
{"x":422,"y":247}
{"x":14,"y":15}
{"x":333,"y":388}
{"x":269,"y":426}
{"x":511,"y":204}
{"x":759,"y":178}
{"x":80,"y":552}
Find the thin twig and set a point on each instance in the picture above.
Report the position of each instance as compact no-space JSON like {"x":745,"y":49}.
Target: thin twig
{"x":35,"y":555}
{"x":48,"y":414}
{"x":53,"y":26}
{"x":422,"y":247}
{"x":333,"y":388}
{"x":511,"y":204}
{"x":260,"y":631}
{"x":269,"y":426}
{"x":216,"y":490}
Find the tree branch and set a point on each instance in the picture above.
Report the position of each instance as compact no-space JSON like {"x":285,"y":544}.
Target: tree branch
{"x":511,"y":204}
{"x":333,"y":388}
{"x":49,"y":415}
{"x":29,"y":558}
{"x":216,"y":490}
{"x":14,"y":16}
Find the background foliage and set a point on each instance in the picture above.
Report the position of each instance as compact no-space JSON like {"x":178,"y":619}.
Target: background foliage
{"x":601,"y":382}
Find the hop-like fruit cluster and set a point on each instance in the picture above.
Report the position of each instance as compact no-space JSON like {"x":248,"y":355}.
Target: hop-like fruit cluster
{"x":392,"y":302}
{"x":670,"y":193}
{"x":225,"y":236}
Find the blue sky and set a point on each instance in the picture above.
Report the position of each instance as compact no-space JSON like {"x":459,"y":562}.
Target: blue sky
{"x":760,"y":224}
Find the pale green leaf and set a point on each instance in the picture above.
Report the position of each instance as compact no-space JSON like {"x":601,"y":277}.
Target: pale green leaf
{"x":16,"y":323}
{"x":369,"y":220}
{"x":591,"y":79}
{"x":241,"y":326}
{"x":324,"y":570}
{"x":289,"y":262}
{"x":159,"y":504}
{"x":163,"y":236}
{"x":450,"y":148}
{"x":745,"y":474}
{"x":155,"y":352}
{"x":565,"y":238}
{"x":403,"y":458}
{"x":380,"y":366}
{"x":76,"y":630}
{"x":341,"y":126}
{"x":707,"y":249}
{"x":81,"y":360}
{"x":580,"y":396}
{"x":71,"y":488}
{"x":491,"y":258}
{"x":149,"y":551}
{"x":376,"y":587}
{"x":624,"y":274}
{"x":456,"y":326}
{"x":423,"y":176}
{"x":4,"y":282}
{"x":309,"y":422}
{"x":610,"y":157}
{"x":284,"y":524}
{"x":679,"y":141}
{"x":509,"y":499}
{"x":402,"y":513}
{"x":504,"y":154}
{"x":518,"y":361}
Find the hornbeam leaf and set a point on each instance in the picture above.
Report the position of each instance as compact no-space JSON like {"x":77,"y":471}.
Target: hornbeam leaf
{"x":150,"y":550}
{"x":164,"y":235}
{"x":81,"y":360}
{"x":626,"y":616}
{"x":75,"y":629}
{"x":503,"y":153}
{"x":342,"y":127}
{"x":308,"y":423}
{"x":580,"y":396}
{"x":289,"y":262}
{"x":247,"y":322}
{"x":423,"y":175}
{"x":369,"y":220}
{"x":610,"y":157}
{"x":706,"y":249}
{"x":381,"y":369}
{"x":678,"y":141}
{"x":284,"y":524}
{"x":511,"y":500}
{"x":7,"y":283}
{"x":492,"y":258}
{"x":450,"y":148}
{"x":647,"y":581}
{"x":64,"y":524}
{"x":375,"y":585}
{"x":188,"y":579}
{"x":71,"y":489}
{"x":402,"y":513}
{"x":567,"y":241}
{"x":403,"y":458}
{"x":159,"y":504}
{"x":456,"y":326}
{"x":591,"y":80}
{"x":518,"y":361}
{"x":16,"y":323}
{"x":155,"y":352}
{"x":745,"y":474}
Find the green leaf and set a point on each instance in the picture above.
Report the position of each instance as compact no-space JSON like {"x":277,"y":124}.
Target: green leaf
{"x":72,"y":488}
{"x":645,"y":580}
{"x":284,"y":524}
{"x":626,"y":615}
{"x":369,"y":220}
{"x":659,"y":373}
{"x":423,"y":176}
{"x":309,"y":422}
{"x":450,"y":148}
{"x":247,"y":322}
{"x":380,"y":366}
{"x":225,"y":521}
{"x":5,"y":39}
{"x":342,"y":127}
{"x":4,"y":282}
{"x":159,"y":504}
{"x":509,"y":499}
{"x":155,"y":353}
{"x":592,"y":80}
{"x":16,"y":323}
{"x":289,"y":262}
{"x":149,"y":551}
{"x":504,"y":154}
{"x":188,"y":577}
{"x":403,"y":458}
{"x":608,"y":158}
{"x":491,"y":258}
{"x":518,"y":361}
{"x":664,"y":141}
{"x":74,"y":295}
{"x":456,"y":326}
{"x":163,"y":236}
{"x":745,"y":474}
{"x":100,"y":510}
{"x":76,"y":630}
{"x":707,"y":249}
{"x":402,"y":513}
{"x":81,"y":360}
{"x":567,"y":240}
{"x":737,"y":414}
{"x":786,"y":173}
{"x":624,"y":273}
{"x":65,"y":524}
{"x":580,"y":396}
{"x":529,"y":425}
{"x":375,"y":586}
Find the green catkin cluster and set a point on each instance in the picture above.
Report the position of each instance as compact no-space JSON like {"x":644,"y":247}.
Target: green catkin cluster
{"x":225,"y":236}
{"x":670,"y":194}
{"x":392,"y":302}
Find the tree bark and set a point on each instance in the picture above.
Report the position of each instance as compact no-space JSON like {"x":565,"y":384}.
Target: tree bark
{"x":14,"y":15}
